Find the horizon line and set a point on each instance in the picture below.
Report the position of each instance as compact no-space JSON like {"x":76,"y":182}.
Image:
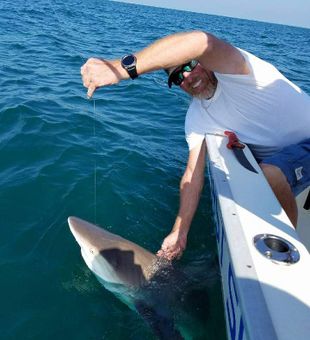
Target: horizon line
{"x":212,"y":14}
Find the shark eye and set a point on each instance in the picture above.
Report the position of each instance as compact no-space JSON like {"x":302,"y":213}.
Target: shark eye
{"x":92,"y":251}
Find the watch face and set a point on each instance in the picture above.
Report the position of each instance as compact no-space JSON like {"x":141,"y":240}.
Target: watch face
{"x":128,"y":60}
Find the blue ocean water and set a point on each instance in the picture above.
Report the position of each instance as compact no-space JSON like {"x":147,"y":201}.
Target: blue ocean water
{"x":116,"y":161}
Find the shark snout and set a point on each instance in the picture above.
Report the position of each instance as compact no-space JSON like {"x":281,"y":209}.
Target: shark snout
{"x":73,"y":223}
{"x":83,"y":232}
{"x":75,"y":227}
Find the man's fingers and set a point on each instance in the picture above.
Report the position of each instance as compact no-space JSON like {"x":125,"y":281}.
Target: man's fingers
{"x":159,"y":253}
{"x":91,"y":90}
{"x":169,"y":255}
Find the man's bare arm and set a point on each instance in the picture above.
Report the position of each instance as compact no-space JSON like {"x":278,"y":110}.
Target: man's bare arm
{"x":190,"y":190}
{"x":213,"y":54}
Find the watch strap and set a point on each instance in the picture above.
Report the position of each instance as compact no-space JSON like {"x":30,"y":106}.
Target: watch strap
{"x":132,"y":71}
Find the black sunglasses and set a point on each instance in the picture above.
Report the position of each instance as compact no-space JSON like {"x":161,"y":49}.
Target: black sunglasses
{"x":176,"y":77}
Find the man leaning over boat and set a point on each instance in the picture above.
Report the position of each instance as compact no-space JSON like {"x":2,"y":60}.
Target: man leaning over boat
{"x":232,"y":90}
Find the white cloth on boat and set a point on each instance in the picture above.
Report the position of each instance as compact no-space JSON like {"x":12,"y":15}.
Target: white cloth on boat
{"x":263,"y":108}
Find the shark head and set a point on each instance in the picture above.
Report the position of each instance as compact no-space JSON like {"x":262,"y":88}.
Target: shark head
{"x":110,"y":257}
{"x":147,"y":284}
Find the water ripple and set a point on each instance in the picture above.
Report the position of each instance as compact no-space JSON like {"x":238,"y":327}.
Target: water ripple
{"x":116,"y":160}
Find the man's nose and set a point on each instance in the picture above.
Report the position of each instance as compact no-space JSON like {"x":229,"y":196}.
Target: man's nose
{"x":187,"y":77}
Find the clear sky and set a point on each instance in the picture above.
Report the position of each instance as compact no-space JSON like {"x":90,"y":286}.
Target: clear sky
{"x":288,"y":12}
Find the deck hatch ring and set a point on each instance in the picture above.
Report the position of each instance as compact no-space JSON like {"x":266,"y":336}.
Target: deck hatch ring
{"x":276,"y":248}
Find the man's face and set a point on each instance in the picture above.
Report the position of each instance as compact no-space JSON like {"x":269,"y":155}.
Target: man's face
{"x":199,"y":82}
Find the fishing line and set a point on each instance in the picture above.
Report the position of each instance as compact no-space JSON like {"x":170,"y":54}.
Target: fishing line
{"x":61,"y":26}
{"x":95,"y":166}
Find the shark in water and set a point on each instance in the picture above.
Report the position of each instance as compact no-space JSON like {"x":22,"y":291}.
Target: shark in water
{"x":145,"y":282}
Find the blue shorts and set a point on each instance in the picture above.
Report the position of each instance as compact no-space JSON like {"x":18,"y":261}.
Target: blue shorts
{"x":294,"y":161}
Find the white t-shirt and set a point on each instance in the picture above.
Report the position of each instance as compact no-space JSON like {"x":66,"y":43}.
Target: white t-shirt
{"x":264,"y":109}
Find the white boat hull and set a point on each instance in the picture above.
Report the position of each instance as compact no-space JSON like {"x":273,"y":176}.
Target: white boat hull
{"x":264,"y":298}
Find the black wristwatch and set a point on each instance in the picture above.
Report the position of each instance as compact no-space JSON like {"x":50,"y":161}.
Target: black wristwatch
{"x":129,"y":64}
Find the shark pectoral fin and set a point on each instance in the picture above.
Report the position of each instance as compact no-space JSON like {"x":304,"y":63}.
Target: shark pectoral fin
{"x":162,"y":326}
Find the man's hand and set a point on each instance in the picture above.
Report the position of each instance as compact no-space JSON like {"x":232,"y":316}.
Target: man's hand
{"x":98,"y":72}
{"x":173,"y":245}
